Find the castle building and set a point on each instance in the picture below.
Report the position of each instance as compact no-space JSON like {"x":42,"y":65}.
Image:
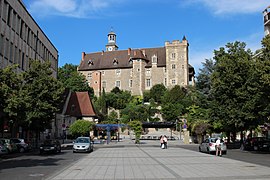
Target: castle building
{"x":21,"y":38}
{"x":137,"y":70}
{"x":266,"y":17}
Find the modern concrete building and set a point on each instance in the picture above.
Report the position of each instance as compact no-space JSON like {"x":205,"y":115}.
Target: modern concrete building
{"x":137,"y":70}
{"x":266,"y":17}
{"x":21,"y":39}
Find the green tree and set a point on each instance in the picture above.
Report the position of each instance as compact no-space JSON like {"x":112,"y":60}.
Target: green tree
{"x":73,"y":80}
{"x":157,"y":92}
{"x":232,"y":88}
{"x":136,"y":126}
{"x":42,"y":95}
{"x":81,"y":128}
{"x":12,"y":104}
{"x":203,"y":83}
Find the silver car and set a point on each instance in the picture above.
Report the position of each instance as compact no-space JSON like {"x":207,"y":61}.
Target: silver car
{"x":82,"y":144}
{"x":3,"y":149}
{"x":209,"y":146}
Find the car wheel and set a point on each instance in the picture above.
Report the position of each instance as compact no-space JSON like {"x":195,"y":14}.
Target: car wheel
{"x":209,"y":152}
{"x":200,"y":149}
{"x":40,"y":152}
{"x":21,"y":149}
{"x":255,"y":148}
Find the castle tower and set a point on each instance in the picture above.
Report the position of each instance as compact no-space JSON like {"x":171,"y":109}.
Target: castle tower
{"x":111,"y":46}
{"x":177,"y":62}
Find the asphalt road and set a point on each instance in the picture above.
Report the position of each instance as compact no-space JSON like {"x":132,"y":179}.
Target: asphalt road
{"x":31,"y":165}
{"x":260,"y":158}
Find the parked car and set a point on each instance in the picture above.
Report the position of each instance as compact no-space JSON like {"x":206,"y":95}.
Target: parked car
{"x":11,"y":146}
{"x":209,"y":146}
{"x":50,"y":146}
{"x":82,"y":144}
{"x":257,"y":144}
{"x":21,"y":144}
{"x":3,"y":149}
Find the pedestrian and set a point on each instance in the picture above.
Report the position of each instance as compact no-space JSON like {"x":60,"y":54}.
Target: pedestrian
{"x":218,"y":147}
{"x":161,"y":142}
{"x":165,"y":141}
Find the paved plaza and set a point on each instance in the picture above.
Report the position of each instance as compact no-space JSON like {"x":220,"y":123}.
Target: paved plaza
{"x":126,"y":160}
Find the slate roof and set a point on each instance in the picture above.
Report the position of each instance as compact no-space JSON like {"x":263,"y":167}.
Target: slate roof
{"x":121,"y":58}
{"x":80,"y":105}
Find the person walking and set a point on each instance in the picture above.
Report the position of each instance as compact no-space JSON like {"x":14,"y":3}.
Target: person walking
{"x":218,"y":147}
{"x":165,"y":141}
{"x":161,"y":139}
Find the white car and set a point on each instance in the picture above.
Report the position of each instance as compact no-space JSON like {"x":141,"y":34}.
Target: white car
{"x":209,"y":146}
{"x":82,"y":144}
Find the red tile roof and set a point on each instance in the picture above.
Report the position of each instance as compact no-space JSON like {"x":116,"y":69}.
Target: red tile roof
{"x":80,"y":105}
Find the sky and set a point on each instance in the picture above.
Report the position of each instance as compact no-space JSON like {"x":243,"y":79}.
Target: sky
{"x":76,"y":26}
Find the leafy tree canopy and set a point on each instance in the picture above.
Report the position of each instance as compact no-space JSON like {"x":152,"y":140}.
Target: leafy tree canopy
{"x":81,"y":128}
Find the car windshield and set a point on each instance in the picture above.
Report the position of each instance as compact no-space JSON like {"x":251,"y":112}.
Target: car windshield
{"x":82,"y":140}
{"x":48,"y":142}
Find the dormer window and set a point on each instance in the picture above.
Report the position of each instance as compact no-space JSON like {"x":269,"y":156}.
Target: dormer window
{"x":154,"y":59}
{"x":90,"y":62}
{"x":115,"y":61}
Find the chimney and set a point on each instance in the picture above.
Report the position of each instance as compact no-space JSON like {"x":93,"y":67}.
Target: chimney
{"x":143,"y":51}
{"x":129,"y":51}
{"x":83,"y":56}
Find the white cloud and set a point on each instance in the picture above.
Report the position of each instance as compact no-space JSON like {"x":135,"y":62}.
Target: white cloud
{"x":222,"y":7}
{"x":71,"y":8}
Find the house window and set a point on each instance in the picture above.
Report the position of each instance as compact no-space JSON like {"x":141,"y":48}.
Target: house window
{"x":148,"y":71}
{"x":165,"y":81}
{"x":183,"y":66}
{"x":118,"y":72}
{"x":148,"y":82}
{"x":130,"y":83}
{"x":103,"y":73}
{"x":173,"y":82}
{"x":173,"y":66}
{"x":118,"y":84}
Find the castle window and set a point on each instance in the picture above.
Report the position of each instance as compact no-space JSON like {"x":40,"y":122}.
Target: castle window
{"x":173,"y":55}
{"x":118,"y":72}
{"x":148,"y":82}
{"x":148,"y":71}
{"x":154,"y":59}
{"x":173,"y":82}
{"x":130,"y":83}
{"x":165,"y":70}
{"x":165,"y":81}
{"x":118,"y":84}
{"x":103,"y":84}
{"x":183,"y":66}
{"x":103,"y":73}
{"x":173,"y":66}
{"x":89,"y":75}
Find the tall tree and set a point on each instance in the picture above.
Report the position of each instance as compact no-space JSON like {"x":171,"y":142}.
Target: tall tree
{"x":42,"y":94}
{"x":232,"y":88}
